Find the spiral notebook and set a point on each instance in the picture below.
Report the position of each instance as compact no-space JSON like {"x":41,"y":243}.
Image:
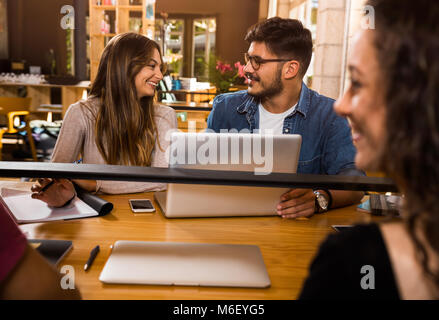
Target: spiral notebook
{"x":24,"y":209}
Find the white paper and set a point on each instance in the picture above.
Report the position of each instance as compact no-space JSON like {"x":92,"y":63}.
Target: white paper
{"x":26,"y":210}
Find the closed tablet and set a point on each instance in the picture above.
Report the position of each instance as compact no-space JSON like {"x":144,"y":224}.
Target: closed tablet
{"x":186,"y":264}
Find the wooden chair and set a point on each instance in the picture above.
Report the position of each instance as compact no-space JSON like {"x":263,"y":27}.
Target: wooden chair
{"x":12,"y":107}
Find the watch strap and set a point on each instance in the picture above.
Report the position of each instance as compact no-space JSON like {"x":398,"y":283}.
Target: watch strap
{"x":329,"y":197}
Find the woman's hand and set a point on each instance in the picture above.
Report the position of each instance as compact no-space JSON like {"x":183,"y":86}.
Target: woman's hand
{"x":56,"y":195}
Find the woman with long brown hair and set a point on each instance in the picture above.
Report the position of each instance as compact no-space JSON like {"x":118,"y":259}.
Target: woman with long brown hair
{"x":392,"y":105}
{"x":118,"y":124}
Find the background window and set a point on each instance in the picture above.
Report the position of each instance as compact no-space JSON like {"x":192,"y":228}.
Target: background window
{"x":204,"y":31}
{"x":169,"y":34}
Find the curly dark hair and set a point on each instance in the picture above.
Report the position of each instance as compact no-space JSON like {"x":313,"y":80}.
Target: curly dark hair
{"x":407,"y":45}
{"x":286,"y":38}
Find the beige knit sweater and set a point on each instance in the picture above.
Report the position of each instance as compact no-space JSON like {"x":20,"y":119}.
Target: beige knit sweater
{"x":77,"y":139}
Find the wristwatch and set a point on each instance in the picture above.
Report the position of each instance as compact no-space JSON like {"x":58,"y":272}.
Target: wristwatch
{"x":322,"y":203}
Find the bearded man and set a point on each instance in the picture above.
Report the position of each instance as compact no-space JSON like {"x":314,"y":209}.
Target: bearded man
{"x":277,"y":100}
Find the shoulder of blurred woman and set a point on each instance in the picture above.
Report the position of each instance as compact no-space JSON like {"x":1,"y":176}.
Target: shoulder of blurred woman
{"x":337,"y":269}
{"x":412,"y":281}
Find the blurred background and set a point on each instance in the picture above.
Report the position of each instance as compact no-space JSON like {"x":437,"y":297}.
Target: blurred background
{"x":50,"y":50}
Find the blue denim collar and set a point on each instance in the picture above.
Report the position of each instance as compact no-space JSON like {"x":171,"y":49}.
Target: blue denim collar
{"x":250,"y":104}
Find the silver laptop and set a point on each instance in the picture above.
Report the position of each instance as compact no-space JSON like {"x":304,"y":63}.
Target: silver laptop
{"x":261,"y":154}
{"x":185,"y":264}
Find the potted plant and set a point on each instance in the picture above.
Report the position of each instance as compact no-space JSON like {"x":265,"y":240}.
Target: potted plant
{"x":224,"y":75}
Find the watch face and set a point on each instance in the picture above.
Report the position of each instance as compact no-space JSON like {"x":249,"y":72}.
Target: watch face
{"x":323,"y":203}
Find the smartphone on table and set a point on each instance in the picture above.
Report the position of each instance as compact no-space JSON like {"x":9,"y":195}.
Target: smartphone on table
{"x":338,"y":227}
{"x":141,"y":205}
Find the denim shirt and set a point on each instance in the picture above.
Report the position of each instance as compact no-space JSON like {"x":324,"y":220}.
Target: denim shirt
{"x":327,"y":146}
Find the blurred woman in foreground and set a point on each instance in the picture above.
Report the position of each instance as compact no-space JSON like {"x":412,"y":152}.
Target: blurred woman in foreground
{"x":392,"y":105}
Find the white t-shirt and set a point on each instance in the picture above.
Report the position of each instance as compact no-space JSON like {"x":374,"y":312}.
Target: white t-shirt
{"x":273,"y":121}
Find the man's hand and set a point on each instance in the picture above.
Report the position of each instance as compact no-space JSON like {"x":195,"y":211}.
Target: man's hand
{"x":297,"y":203}
{"x":61,"y":191}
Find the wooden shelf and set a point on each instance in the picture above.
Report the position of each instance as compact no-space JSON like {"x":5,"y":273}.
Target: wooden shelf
{"x":131,"y":8}
{"x":120,"y":19}
{"x":41,"y":93}
{"x":104,"y":7}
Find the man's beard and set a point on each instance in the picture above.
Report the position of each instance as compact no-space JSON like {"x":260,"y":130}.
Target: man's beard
{"x":268,"y":92}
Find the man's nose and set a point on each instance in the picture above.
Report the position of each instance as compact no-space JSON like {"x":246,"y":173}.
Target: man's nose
{"x":343,"y":105}
{"x":248,"y":67}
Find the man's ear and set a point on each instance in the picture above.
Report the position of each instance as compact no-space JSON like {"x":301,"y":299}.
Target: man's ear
{"x":291,"y":68}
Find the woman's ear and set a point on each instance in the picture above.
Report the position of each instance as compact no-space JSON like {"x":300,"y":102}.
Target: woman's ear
{"x":292,"y":68}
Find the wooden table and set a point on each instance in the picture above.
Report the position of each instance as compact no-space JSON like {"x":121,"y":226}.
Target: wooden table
{"x":286,"y":245}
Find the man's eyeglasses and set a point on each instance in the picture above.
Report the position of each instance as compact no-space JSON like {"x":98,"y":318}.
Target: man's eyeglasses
{"x":257,"y":61}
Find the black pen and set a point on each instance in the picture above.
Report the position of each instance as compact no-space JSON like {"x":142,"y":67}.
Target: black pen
{"x":92,"y":257}
{"x":47,"y":186}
